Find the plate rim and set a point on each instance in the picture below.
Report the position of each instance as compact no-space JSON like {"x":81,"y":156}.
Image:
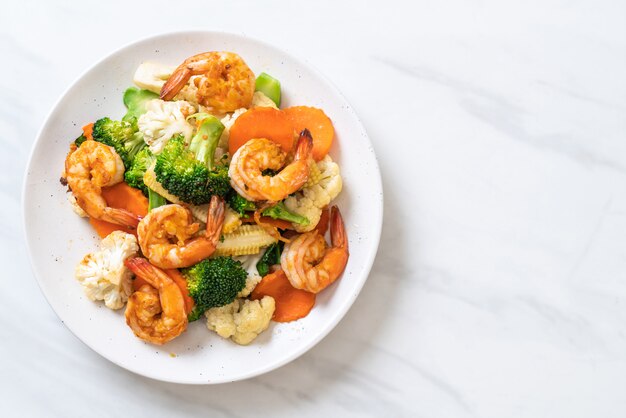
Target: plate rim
{"x":348,"y":301}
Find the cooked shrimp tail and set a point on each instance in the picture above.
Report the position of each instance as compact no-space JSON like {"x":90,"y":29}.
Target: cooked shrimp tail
{"x":304,"y":146}
{"x":121,"y":217}
{"x":141,"y":267}
{"x":215,"y":219}
{"x":338,"y":236}
{"x":176,"y":82}
{"x":155,"y":313}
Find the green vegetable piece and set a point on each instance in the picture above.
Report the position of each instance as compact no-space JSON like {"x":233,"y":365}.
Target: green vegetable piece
{"x":280,"y":211}
{"x":78,"y":141}
{"x":269,"y":86}
{"x":204,"y":142}
{"x":155,"y":200}
{"x":239,"y":204}
{"x":214,"y":282}
{"x":135,"y":101}
{"x":134,"y":175}
{"x":269,"y":258}
{"x":181,"y":174}
{"x":123,"y":136}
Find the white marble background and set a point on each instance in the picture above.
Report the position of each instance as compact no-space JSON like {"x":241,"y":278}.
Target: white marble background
{"x":500,"y":284}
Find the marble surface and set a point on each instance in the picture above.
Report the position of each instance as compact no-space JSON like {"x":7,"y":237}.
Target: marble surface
{"x":500,"y":284}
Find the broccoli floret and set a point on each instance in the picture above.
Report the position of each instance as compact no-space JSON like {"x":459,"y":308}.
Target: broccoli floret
{"x":280,"y":211}
{"x":78,"y":141}
{"x":134,"y":175}
{"x":135,"y":101}
{"x":214,"y":282}
{"x":219,"y":182}
{"x":239,"y":204}
{"x":181,"y":174}
{"x":123,"y":136}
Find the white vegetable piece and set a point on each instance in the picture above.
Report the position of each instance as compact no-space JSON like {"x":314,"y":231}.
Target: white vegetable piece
{"x":251,"y":282}
{"x":259,"y":99}
{"x":310,"y":200}
{"x":103,"y":274}
{"x":75,"y":207}
{"x":242,"y":320}
{"x":163,"y":120}
{"x":152,"y":75}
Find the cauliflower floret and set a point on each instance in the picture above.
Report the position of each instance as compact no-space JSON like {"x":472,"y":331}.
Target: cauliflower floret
{"x":75,"y":207}
{"x":259,"y":99}
{"x":222,"y":320}
{"x":242,"y":320}
{"x":103,"y":274}
{"x":253,"y":318}
{"x":306,"y":207}
{"x":310,"y":200}
{"x":163,"y":120}
{"x":251,"y":282}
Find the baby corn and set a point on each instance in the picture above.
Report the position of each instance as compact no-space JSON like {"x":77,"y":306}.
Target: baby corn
{"x":247,"y":239}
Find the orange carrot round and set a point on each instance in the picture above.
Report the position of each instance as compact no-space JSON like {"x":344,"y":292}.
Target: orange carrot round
{"x":262,"y":122}
{"x":291,"y":303}
{"x":121,"y":196}
{"x":316,"y":121}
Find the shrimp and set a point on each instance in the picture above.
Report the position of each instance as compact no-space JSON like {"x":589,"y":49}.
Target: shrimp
{"x":165,"y":235}
{"x":307,"y":261}
{"x":88,"y":169}
{"x":256,"y":155}
{"x":155,"y":312}
{"x":224,"y":81}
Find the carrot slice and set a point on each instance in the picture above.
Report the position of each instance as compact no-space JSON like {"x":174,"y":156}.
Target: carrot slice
{"x":316,"y":121}
{"x":262,"y":122}
{"x":180,"y":280}
{"x":121,"y":196}
{"x":291,"y":303}
{"x":88,"y":131}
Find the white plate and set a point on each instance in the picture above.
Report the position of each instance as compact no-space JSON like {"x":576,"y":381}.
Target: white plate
{"x":58,"y":239}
